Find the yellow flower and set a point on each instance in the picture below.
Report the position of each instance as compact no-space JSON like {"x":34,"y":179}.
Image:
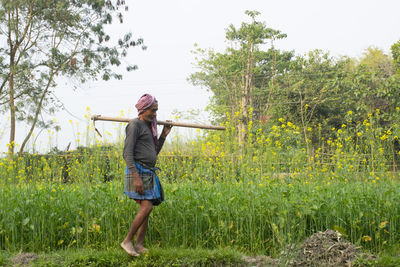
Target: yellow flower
{"x":96,"y":227}
{"x":383,"y":224}
{"x":366,"y":238}
{"x":349,"y":112}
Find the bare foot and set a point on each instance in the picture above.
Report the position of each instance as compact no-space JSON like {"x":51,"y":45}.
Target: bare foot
{"x":127,"y":246}
{"x":141,"y":249}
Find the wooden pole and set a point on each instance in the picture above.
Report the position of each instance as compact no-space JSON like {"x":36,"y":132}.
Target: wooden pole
{"x":179,"y":124}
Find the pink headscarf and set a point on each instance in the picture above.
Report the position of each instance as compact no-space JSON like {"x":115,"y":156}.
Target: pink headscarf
{"x":144,"y":103}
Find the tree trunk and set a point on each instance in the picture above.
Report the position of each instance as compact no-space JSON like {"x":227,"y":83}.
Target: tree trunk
{"x":249,"y":76}
{"x":13,"y":27}
{"x":242,"y":120}
{"x":246,"y":99}
{"x":11,"y":92}
{"x":11,"y":143}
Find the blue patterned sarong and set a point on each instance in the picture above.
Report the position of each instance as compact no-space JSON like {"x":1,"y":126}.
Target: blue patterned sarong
{"x":153,"y":190}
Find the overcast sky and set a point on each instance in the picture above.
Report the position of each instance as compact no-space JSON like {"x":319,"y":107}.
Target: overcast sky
{"x":171,"y":28}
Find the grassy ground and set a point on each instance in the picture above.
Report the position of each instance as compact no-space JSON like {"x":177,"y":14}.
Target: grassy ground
{"x":160,"y":257}
{"x":117,"y":257}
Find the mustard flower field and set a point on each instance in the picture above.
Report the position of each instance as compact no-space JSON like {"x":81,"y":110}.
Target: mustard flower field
{"x":284,"y":184}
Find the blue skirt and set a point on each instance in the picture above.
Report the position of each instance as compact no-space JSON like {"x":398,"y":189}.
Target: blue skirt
{"x":153,"y":190}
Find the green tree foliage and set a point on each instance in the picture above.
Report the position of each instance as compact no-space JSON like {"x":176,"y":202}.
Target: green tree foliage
{"x":314,"y":90}
{"x":321,"y":91}
{"x":308,"y":93}
{"x":372,"y":86}
{"x":396,"y":55}
{"x":241,"y":75}
{"x":374,"y":59}
{"x":45,"y":39}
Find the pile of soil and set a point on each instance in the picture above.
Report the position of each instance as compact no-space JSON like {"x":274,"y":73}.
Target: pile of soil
{"x":327,"y":248}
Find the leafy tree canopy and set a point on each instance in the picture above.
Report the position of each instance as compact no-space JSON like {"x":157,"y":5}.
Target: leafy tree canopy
{"x":41,"y":40}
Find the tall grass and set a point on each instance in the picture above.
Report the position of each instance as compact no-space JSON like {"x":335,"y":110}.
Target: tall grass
{"x":263,"y":217}
{"x":279,"y":188}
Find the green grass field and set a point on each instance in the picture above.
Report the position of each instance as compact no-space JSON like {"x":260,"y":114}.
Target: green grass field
{"x":253,"y":217}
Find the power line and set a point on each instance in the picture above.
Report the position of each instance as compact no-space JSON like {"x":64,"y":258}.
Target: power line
{"x":175,"y":81}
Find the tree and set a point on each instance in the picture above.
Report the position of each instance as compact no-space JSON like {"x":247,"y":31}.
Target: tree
{"x":320,"y":90}
{"x":45,"y":39}
{"x":308,"y":93}
{"x":395,"y":48}
{"x":374,"y":59}
{"x":236,"y":75}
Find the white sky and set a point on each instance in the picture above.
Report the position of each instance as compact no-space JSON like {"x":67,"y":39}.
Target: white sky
{"x":171,"y":28}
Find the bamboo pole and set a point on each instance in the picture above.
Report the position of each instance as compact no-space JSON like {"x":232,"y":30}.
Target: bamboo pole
{"x":179,"y":124}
